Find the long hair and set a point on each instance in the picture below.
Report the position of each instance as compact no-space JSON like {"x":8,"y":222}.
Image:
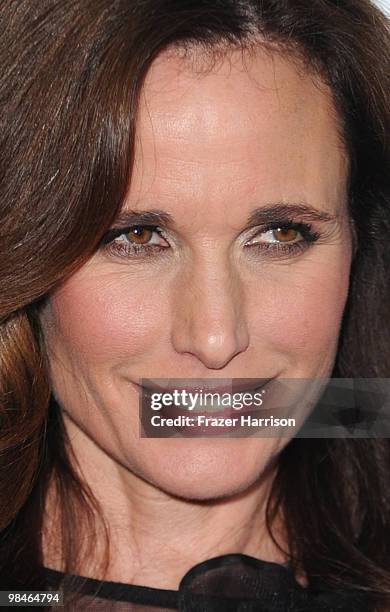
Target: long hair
{"x":72,"y":73}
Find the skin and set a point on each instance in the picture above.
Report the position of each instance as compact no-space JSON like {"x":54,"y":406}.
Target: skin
{"x":212,"y":146}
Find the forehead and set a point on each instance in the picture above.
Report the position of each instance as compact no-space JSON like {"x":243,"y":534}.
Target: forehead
{"x":250,"y":125}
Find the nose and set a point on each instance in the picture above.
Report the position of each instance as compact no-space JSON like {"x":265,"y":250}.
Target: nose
{"x":209,"y":319}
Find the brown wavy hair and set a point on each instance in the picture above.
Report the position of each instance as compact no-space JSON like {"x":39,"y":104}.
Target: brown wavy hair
{"x":72,"y":72}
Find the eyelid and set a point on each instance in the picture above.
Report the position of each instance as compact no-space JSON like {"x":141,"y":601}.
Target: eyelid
{"x":288,"y":248}
{"x":305,"y":229}
{"x":115,"y":232}
{"x":272,"y":225}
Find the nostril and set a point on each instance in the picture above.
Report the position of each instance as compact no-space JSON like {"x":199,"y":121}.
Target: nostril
{"x":214,"y":350}
{"x":209,"y":318}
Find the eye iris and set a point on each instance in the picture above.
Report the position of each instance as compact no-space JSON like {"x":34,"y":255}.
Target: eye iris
{"x":285,"y":235}
{"x":140,"y":234}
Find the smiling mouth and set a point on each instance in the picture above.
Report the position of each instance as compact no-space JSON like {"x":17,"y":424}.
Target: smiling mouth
{"x":203,"y":397}
{"x":231,"y":385}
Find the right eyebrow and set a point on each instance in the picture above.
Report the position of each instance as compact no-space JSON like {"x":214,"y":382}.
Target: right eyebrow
{"x":143,"y":217}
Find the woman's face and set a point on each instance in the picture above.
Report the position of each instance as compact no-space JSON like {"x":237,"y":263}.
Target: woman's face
{"x":215,"y":294}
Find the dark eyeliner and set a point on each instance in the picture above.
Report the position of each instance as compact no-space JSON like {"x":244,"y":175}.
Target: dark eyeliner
{"x":113,"y":233}
{"x":108,"y":245}
{"x":284,"y":248}
{"x":127,"y":250}
{"x":305,"y":229}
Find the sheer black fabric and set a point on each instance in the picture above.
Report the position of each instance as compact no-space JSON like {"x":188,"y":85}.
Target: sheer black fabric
{"x":229,"y":583}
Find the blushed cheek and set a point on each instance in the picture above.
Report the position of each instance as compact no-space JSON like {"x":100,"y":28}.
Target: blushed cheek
{"x":312,"y":322}
{"x":301,"y":322}
{"x":103,"y":321}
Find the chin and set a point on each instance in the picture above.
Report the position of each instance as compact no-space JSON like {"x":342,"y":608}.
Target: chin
{"x":208,"y":470}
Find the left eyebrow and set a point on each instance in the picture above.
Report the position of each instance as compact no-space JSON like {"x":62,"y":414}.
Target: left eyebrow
{"x":285,"y":211}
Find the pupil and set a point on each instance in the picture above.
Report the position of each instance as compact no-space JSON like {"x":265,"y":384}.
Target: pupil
{"x":140,"y":234}
{"x":286,"y":234}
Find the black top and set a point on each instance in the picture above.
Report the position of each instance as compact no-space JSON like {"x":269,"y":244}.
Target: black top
{"x":228,"y":583}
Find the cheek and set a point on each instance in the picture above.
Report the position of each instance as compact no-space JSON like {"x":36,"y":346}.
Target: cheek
{"x":104,"y":319}
{"x":294,"y":311}
{"x":301,"y":315}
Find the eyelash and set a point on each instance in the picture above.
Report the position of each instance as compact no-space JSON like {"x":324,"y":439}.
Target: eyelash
{"x":119,"y":250}
{"x":285,"y":248}
{"x":309,"y":236}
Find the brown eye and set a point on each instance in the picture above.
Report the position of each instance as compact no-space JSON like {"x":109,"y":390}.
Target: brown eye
{"x":285,"y":235}
{"x":278,"y":235}
{"x":134,"y":240}
{"x":139,"y":234}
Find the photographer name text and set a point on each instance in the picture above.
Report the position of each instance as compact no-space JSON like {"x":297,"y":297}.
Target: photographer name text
{"x":204,"y":421}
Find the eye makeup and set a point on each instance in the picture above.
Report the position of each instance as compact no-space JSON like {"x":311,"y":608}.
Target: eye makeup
{"x":275,"y":247}
{"x":125,"y":248}
{"x":301,"y":233}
